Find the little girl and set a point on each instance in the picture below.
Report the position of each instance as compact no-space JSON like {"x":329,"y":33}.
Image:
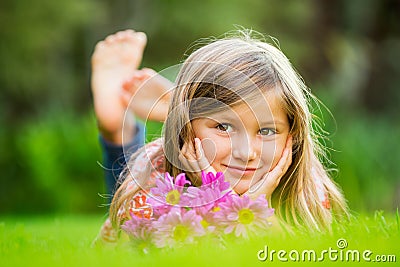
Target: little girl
{"x":238,"y":107}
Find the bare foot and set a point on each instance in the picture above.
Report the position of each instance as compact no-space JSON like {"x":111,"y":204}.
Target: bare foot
{"x":113,"y":62}
{"x":147,"y":94}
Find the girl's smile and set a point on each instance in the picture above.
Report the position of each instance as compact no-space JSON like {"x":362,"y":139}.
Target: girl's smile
{"x":246,"y":141}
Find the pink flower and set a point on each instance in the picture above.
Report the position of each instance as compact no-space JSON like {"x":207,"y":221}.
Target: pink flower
{"x":243,"y":216}
{"x":168,"y":184}
{"x":213,"y":190}
{"x":214,"y":181}
{"x":167,"y":193}
{"x":177,"y":227}
{"x":138,"y":228}
{"x":175,"y":214}
{"x":140,"y":232}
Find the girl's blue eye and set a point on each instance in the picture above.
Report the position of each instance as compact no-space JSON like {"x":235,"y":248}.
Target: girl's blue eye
{"x":267,"y":131}
{"x":224,"y":127}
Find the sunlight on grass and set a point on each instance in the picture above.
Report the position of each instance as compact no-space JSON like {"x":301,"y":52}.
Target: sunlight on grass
{"x":66,"y":241}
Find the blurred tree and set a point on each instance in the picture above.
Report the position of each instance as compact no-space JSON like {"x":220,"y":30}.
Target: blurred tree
{"x":381,"y":92}
{"x":44,"y":71}
{"x":358,"y":44}
{"x":40,"y":52}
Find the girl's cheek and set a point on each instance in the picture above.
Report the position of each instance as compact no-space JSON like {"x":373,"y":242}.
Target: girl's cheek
{"x":210,"y":149}
{"x":216,"y":149}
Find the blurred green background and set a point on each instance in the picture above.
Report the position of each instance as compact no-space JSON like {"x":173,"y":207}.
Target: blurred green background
{"x":348,"y":52}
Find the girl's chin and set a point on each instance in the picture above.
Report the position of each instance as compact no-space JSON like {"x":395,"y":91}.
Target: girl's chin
{"x":241,"y":186}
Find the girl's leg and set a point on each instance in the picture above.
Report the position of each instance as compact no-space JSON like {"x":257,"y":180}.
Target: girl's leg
{"x":117,"y":85}
{"x":114,"y":61}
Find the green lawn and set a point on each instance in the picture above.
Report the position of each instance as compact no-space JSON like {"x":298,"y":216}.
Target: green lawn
{"x":65,"y":240}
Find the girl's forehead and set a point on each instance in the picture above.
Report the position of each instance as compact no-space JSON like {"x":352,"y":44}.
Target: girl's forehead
{"x":267,"y":107}
{"x":262,"y":102}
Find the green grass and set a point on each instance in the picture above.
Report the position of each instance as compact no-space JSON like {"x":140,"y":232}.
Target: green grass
{"x":66,"y":241}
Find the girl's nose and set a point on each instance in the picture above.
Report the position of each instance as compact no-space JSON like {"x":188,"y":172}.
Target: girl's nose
{"x":245,"y":148}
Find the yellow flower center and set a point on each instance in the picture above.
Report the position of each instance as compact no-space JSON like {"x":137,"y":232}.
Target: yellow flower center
{"x":173,"y":197}
{"x":204,"y":223}
{"x":180,"y":232}
{"x":246,"y":216}
{"x":215,"y":209}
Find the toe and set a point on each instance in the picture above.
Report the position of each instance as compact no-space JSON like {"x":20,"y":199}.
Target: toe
{"x":129,"y":31}
{"x":141,"y":38}
{"x":119,"y":35}
{"x":125,"y":35}
{"x":110,"y":38}
{"x":100,"y":45}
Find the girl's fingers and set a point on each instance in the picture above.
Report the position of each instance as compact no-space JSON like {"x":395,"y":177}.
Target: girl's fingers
{"x":280,"y":167}
{"x":187,"y":151}
{"x":183,"y":155}
{"x":198,"y":148}
{"x":289,"y":141}
{"x":192,"y":157}
{"x":197,"y":152}
{"x":188,"y":158}
{"x":203,"y":161}
{"x":190,"y":152}
{"x":285,"y":161}
{"x":288,"y":160}
{"x":261,"y":187}
{"x":200,"y":153}
{"x":184,"y":150}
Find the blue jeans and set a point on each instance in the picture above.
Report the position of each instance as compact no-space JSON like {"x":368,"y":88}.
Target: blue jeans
{"x":116,"y":156}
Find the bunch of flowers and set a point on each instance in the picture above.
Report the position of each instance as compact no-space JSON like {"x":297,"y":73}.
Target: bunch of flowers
{"x":176,"y":213}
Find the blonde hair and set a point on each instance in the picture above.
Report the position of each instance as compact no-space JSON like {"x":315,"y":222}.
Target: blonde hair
{"x":236,"y":69}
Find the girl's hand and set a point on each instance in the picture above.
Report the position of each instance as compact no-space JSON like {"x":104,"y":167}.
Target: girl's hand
{"x":271,"y":180}
{"x":193,"y":158}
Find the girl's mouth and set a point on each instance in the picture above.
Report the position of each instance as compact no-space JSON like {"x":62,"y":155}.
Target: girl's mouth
{"x":242,"y":171}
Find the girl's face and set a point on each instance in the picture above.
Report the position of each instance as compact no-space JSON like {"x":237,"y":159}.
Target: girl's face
{"x":246,"y":141}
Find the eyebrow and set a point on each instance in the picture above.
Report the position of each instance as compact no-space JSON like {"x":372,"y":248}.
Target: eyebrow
{"x":221,"y":117}
{"x":272,"y":122}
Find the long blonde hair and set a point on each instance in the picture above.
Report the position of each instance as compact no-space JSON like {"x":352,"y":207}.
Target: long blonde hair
{"x":236,"y":69}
